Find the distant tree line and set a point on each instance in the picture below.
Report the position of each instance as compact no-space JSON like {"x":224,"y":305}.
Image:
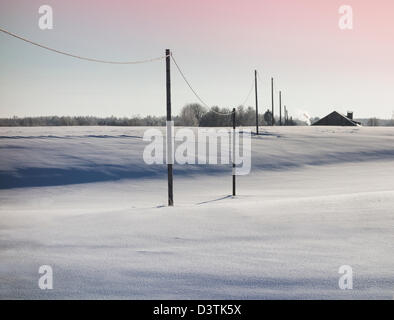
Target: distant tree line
{"x":192,"y":114}
{"x":197,"y":115}
{"x":375,"y":122}
{"x":82,"y":121}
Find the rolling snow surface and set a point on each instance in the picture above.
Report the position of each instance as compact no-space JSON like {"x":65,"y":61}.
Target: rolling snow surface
{"x":82,"y":200}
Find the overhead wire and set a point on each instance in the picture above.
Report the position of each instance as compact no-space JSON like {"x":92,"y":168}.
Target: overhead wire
{"x":130,"y":62}
{"x":188,"y":83}
{"x":194,"y":91}
{"x":247,"y":97}
{"x":198,"y":96}
{"x":78,"y":56}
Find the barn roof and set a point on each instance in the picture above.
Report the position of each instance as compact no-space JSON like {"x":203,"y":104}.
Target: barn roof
{"x":335,"y":119}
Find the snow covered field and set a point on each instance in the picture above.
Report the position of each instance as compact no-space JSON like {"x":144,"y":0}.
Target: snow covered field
{"x":81,"y":200}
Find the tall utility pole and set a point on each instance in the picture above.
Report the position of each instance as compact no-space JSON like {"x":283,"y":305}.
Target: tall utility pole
{"x":272,"y":99}
{"x":280,"y":108}
{"x":169,"y":130}
{"x":257,"y":103}
{"x":233,"y":142}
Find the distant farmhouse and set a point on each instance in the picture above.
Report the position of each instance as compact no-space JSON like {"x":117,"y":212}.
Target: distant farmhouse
{"x":337,"y":119}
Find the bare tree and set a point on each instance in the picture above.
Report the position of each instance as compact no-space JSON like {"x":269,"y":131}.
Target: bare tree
{"x":192,"y":114}
{"x":373,"y":122}
{"x":268,"y":116}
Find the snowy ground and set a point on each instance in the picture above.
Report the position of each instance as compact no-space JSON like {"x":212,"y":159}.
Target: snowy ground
{"x":83,"y":201}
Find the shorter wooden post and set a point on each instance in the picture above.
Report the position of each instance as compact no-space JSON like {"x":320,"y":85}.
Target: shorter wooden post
{"x":233,"y":116}
{"x":280,"y":108}
{"x":257,"y":102}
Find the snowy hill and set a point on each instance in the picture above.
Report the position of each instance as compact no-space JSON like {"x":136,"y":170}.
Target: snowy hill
{"x":82,"y":200}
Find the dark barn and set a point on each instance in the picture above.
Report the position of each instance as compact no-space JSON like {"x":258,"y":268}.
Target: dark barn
{"x":337,"y":119}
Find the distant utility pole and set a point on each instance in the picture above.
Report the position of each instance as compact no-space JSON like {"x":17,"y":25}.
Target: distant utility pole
{"x":280,"y":108}
{"x":169,"y":130}
{"x":233,"y":116}
{"x":272,"y":100}
{"x":285,"y":114}
{"x":257,"y":103}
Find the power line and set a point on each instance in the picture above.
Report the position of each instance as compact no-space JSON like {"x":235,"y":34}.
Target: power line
{"x":194,"y":91}
{"x":258,"y":76}
{"x":247,"y":97}
{"x":264,"y":82}
{"x":187,"y":82}
{"x":261,"y":80}
{"x":196,"y":94}
{"x":124,"y":62}
{"x":77,"y":56}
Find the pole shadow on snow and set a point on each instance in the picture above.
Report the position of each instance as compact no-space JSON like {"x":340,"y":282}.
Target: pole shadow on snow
{"x":214,"y":200}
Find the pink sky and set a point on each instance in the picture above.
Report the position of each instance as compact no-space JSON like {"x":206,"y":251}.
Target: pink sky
{"x":218,"y":44}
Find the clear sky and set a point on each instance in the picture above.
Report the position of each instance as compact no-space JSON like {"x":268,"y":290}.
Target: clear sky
{"x":217,"y":43}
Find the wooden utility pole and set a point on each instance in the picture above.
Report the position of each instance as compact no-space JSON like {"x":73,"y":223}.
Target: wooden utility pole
{"x":285,"y":114}
{"x":280,"y":108}
{"x":272,"y":99}
{"x":169,"y":130}
{"x":257,"y":103}
{"x":233,"y":116}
